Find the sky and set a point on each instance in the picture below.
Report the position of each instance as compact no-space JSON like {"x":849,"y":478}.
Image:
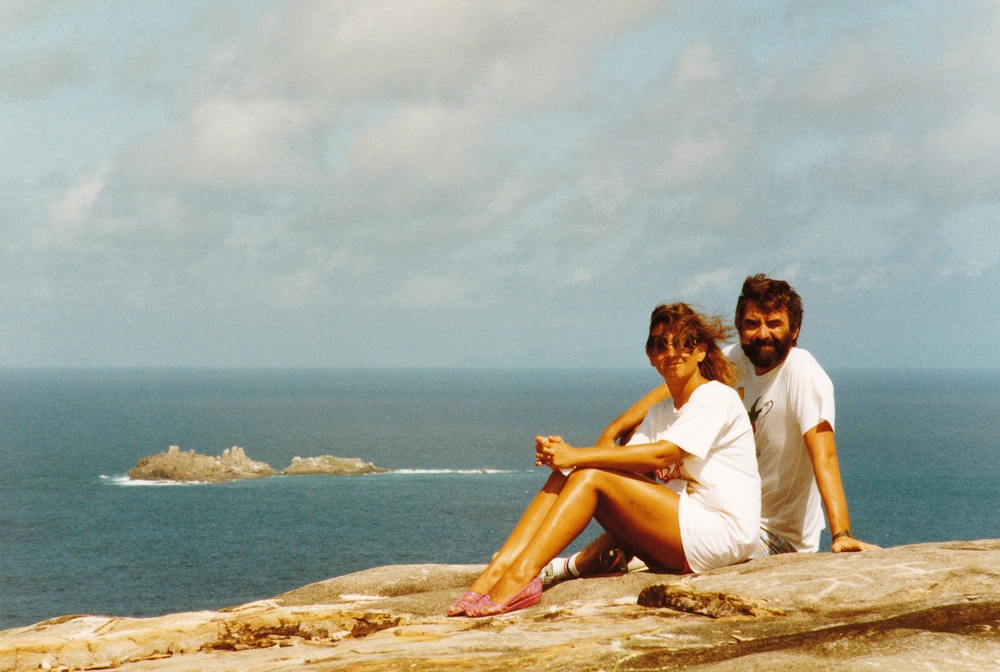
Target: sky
{"x":513,"y":184}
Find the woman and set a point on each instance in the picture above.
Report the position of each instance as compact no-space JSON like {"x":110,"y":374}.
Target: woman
{"x":699,"y":441}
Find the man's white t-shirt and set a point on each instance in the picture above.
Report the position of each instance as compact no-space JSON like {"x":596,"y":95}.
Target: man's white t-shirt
{"x":719,"y":510}
{"x":783,"y":405}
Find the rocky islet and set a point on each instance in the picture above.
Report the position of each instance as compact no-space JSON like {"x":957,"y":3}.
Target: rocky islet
{"x":233,"y":464}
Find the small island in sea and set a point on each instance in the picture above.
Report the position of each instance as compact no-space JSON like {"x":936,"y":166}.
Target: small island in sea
{"x":233,"y":464}
{"x":332,"y":466}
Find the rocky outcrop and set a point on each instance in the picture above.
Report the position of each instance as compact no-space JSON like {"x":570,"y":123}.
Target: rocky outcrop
{"x":927,"y":606}
{"x":234,"y":464}
{"x":332,"y":466}
{"x":175,"y":465}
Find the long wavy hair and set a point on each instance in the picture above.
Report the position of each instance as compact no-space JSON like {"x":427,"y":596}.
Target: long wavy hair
{"x":687,"y":326}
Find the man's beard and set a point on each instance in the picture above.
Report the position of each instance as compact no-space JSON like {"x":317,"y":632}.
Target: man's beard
{"x":766,"y":353}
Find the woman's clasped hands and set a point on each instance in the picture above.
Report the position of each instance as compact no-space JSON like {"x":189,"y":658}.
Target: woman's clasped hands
{"x":553,"y":452}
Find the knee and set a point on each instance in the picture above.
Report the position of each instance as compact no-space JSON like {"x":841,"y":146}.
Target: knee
{"x":555,"y":482}
{"x":586,"y":477}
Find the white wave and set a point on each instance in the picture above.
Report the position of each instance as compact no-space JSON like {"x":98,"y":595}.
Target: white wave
{"x":126,"y":482}
{"x":452,"y":471}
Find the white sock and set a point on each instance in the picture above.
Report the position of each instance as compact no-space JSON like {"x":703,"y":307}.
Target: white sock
{"x":571,"y":566}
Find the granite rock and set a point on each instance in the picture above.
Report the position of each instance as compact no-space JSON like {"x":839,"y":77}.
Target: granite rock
{"x":175,"y":465}
{"x":234,"y":464}
{"x":928,"y":606}
{"x":332,"y":466}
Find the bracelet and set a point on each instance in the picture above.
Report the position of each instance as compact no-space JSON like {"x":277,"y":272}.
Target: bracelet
{"x":842,"y":533}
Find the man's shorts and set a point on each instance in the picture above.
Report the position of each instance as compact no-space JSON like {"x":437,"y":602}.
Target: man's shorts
{"x":771,"y":543}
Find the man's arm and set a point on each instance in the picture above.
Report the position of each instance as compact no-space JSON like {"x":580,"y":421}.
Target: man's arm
{"x":823,"y":451}
{"x":625,"y":424}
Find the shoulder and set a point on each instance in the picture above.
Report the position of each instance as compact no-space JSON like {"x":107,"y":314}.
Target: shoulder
{"x":661,"y":409}
{"x":720,"y":407}
{"x":800,"y":360}
{"x":734,"y":353}
{"x":715,"y":393}
{"x":802,"y":368}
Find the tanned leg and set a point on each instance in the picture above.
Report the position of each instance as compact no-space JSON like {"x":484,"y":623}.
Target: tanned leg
{"x":627,"y":505}
{"x":522,"y":534}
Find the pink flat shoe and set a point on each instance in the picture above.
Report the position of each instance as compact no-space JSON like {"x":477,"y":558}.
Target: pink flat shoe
{"x":462,"y":604}
{"x":528,"y":596}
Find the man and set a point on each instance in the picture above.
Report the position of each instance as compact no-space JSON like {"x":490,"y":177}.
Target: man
{"x":789,"y":399}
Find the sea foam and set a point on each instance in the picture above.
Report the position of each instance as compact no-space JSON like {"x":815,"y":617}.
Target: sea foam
{"x":126,"y":482}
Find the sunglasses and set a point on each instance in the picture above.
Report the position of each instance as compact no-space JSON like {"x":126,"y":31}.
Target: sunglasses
{"x":662,"y":345}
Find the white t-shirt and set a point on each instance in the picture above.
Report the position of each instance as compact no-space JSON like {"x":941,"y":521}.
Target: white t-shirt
{"x":719,"y":511}
{"x":784,"y":404}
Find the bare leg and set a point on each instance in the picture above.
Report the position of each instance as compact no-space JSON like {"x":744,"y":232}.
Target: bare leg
{"x":627,"y":505}
{"x":523,"y":533}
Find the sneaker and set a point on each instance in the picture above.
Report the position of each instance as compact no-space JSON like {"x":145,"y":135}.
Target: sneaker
{"x":550,"y":575}
{"x":614,"y":561}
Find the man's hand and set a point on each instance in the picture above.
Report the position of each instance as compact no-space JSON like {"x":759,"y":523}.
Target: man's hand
{"x":847,"y":544}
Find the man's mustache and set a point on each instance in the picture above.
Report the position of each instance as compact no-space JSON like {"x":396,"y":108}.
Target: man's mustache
{"x":762,"y":342}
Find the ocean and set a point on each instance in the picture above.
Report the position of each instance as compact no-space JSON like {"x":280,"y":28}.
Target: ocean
{"x":918,"y":452}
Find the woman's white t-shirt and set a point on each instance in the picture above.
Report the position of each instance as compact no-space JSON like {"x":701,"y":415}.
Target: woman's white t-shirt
{"x":717,"y":480}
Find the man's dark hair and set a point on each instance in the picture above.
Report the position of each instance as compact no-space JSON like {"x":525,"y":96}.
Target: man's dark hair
{"x":770,"y":295}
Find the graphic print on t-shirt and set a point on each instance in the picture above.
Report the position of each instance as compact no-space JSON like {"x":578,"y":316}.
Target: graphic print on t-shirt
{"x":756,"y":413}
{"x":670,"y":473}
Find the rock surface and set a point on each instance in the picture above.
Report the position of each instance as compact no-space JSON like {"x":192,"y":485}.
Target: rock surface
{"x":332,"y":466}
{"x":929,"y":606}
{"x":175,"y":465}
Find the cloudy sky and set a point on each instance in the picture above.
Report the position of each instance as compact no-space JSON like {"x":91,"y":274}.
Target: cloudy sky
{"x":509,"y":183}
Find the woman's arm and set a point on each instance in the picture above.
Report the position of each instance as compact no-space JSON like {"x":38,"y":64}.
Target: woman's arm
{"x":621,"y":428}
{"x":553,"y":452}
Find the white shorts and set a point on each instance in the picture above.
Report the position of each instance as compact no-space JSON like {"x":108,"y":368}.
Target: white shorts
{"x":711,"y":539}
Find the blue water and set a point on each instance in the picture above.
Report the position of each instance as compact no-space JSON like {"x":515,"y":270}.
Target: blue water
{"x":918,"y":453}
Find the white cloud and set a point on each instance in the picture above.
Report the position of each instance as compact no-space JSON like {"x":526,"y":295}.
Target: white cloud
{"x":224,"y":143}
{"x":962,"y":159}
{"x":425,"y":292}
{"x":363,"y":154}
{"x":691,"y":162}
{"x":69,"y":216}
{"x":698,"y":62}
{"x":421,"y":145}
{"x":21,"y":13}
{"x":720,"y":278}
{"x":41,"y":71}
{"x":512,"y":53}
